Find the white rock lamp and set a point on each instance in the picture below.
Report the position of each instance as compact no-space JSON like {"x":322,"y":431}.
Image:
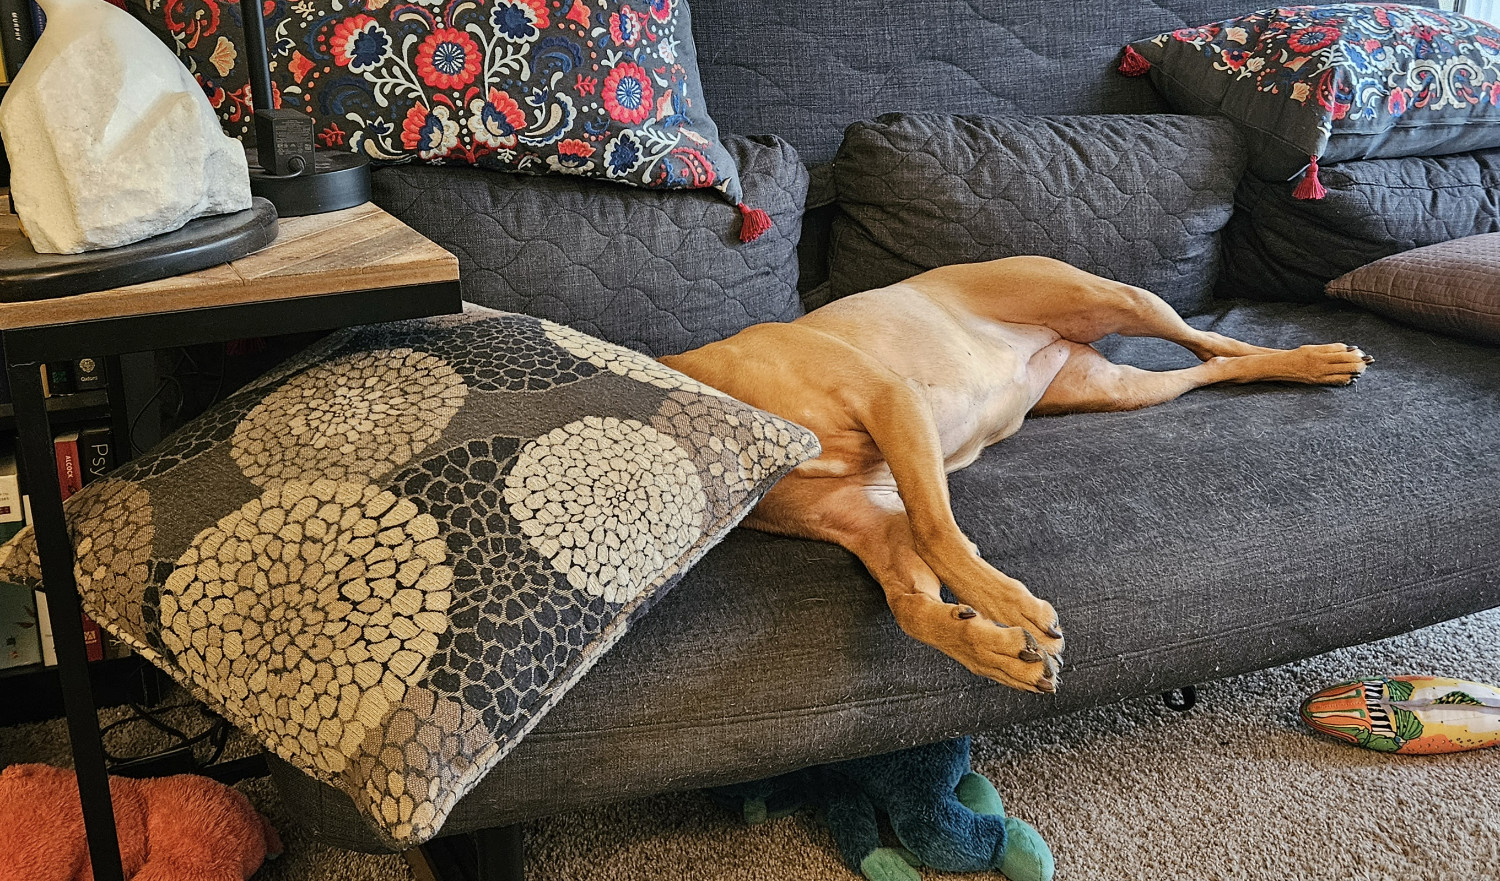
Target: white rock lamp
{"x":110,"y":139}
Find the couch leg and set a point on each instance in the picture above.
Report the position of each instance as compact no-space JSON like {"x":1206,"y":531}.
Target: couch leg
{"x":494,"y":854}
{"x":1181,"y":699}
{"x":501,"y":853}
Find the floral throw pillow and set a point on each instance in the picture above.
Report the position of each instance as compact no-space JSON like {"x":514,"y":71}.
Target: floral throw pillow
{"x":600,"y":88}
{"x":1311,"y":84}
{"x":391,"y":557}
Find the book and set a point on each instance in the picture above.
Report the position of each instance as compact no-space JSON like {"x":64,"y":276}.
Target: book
{"x":69,"y":470}
{"x":96,"y":452}
{"x":43,"y":620}
{"x":38,"y":20}
{"x":59,"y":378}
{"x":44,"y":630}
{"x":88,"y":374}
{"x":70,"y":479}
{"x":12,"y":514}
{"x":16,"y":36}
{"x":93,"y":639}
{"x":20,"y":637}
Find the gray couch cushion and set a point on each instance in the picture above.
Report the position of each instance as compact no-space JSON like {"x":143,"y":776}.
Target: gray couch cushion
{"x":1235,"y":528}
{"x":1139,"y":199}
{"x":658,"y":272}
{"x":806,"y":70}
{"x":1280,"y":248}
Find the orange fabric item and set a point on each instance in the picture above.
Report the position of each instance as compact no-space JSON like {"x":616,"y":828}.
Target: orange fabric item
{"x":170,"y":828}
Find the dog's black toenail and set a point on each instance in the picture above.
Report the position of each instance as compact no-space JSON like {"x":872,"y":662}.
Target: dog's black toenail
{"x":1057,"y":659}
{"x":1350,"y":348}
{"x":1054,"y":632}
{"x":1029,"y":656}
{"x":1047,"y":685}
{"x":966,"y":613}
{"x":1367,"y":359}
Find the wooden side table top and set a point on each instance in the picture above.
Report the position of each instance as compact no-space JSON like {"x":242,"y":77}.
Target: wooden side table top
{"x":355,"y":249}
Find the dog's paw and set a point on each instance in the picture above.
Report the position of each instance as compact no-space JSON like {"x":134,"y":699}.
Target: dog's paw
{"x":1009,"y":655}
{"x":1329,"y":364}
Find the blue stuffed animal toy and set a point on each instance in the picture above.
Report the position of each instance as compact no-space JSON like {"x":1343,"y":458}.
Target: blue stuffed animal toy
{"x":945,"y":815}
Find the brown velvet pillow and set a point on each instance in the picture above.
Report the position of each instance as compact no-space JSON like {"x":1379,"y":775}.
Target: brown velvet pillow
{"x":1452,"y":287}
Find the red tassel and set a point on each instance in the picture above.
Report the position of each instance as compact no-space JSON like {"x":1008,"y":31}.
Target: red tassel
{"x":1134,"y":63}
{"x":1310,"y":187}
{"x":754,"y":223}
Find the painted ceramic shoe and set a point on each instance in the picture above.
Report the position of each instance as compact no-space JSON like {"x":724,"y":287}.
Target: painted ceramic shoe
{"x":1411,"y":715}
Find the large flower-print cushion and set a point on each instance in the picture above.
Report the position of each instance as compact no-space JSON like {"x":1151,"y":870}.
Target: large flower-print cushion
{"x":1311,"y":84}
{"x":389,"y":558}
{"x":601,"y":88}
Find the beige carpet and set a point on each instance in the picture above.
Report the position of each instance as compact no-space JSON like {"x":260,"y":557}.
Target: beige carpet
{"x":1237,"y":789}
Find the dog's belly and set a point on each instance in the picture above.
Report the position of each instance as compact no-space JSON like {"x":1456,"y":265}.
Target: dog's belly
{"x":980,"y":376}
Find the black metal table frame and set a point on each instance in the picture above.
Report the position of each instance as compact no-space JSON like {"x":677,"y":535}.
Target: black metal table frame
{"x":29,"y":347}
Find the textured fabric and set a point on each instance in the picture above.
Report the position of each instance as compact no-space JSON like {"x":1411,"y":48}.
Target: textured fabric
{"x":1345,"y":81}
{"x":1237,"y":528}
{"x":1281,"y":248}
{"x":806,"y":70}
{"x":388,"y":559}
{"x":607,"y":90}
{"x":1138,"y":199}
{"x":660,"y":273}
{"x":1451,"y":287}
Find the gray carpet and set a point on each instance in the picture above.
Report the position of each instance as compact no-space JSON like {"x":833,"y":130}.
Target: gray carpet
{"x":1236,"y":789}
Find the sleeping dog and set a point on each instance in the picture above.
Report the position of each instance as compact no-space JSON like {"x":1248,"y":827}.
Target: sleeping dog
{"x":906,"y":383}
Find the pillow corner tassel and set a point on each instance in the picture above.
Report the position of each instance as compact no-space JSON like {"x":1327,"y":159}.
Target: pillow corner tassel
{"x":1310,"y":188}
{"x":753,"y":223}
{"x":1134,"y":63}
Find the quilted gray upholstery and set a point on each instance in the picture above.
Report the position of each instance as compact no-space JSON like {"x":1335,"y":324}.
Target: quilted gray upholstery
{"x":660,"y":272}
{"x":806,"y":70}
{"x":1139,"y":199}
{"x":1280,"y":248}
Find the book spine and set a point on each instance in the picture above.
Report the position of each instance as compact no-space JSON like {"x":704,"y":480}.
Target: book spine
{"x":38,"y":20}
{"x":12,"y":515}
{"x":88,"y":374}
{"x":60,"y":378}
{"x":44,"y":630}
{"x":93,"y":638}
{"x":96,"y":452}
{"x":43,"y":619}
{"x":16,"y":34}
{"x":69,"y":474}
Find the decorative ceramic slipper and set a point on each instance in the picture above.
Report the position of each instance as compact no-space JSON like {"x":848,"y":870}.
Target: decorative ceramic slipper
{"x":1411,"y":715}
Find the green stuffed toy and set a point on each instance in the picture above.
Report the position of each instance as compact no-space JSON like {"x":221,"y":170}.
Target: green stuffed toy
{"x":945,"y":815}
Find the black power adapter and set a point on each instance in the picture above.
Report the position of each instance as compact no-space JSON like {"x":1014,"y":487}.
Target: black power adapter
{"x":284,"y":142}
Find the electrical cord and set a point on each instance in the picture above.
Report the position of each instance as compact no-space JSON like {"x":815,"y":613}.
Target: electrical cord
{"x":216,"y":735}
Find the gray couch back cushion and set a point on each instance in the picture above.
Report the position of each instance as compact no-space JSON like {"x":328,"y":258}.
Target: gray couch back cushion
{"x":1139,"y":199}
{"x":659,"y":272}
{"x":806,"y":70}
{"x":1280,"y":248}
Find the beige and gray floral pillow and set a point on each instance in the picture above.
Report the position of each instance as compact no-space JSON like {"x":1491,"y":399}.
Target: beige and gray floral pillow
{"x":391,"y":556}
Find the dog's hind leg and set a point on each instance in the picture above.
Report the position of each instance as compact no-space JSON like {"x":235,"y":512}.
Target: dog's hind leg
{"x":1090,"y":383}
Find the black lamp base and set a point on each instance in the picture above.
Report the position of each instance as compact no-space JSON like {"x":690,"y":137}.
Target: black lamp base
{"x":338,"y":180}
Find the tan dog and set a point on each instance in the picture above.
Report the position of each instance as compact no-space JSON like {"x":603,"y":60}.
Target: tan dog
{"x":906,"y":383}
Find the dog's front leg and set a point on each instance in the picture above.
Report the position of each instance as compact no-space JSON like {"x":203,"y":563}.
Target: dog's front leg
{"x":1008,"y":655}
{"x":899,"y":420}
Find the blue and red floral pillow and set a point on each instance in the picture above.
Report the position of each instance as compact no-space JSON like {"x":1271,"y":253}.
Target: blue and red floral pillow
{"x":600,"y":88}
{"x":1310,"y":84}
